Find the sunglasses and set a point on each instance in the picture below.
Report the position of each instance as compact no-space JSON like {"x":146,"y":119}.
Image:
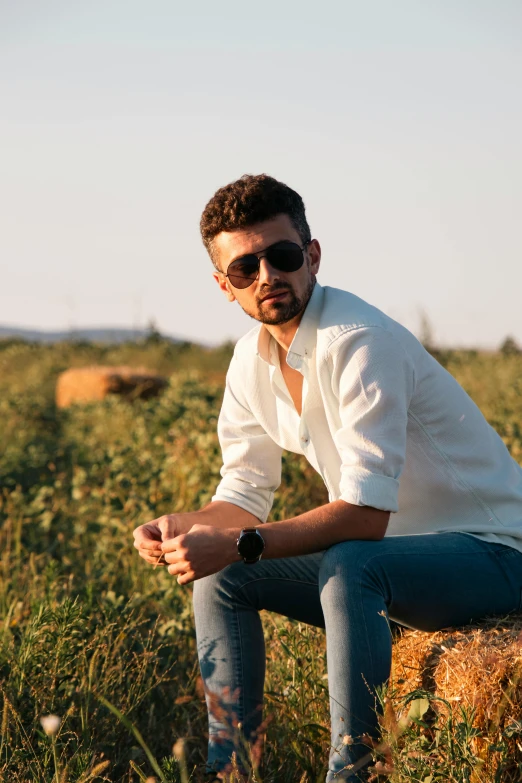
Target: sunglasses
{"x":284,"y":256}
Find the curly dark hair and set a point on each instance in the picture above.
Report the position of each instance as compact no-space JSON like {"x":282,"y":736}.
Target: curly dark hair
{"x":250,"y":200}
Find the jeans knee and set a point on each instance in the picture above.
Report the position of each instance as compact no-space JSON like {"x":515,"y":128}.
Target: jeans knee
{"x":348,"y":560}
{"x":203,"y":593}
{"x":216,"y":588}
{"x":207,"y":590}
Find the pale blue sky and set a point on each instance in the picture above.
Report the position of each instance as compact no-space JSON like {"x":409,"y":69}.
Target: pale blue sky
{"x":398,"y":122}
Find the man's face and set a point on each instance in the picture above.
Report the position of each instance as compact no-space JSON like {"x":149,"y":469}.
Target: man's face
{"x":275,"y":297}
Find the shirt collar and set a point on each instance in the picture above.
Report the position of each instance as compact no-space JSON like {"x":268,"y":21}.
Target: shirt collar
{"x":305,"y":338}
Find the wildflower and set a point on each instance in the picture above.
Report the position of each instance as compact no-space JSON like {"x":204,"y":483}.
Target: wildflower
{"x":50,"y":724}
{"x":381,"y":768}
{"x":347,"y":739}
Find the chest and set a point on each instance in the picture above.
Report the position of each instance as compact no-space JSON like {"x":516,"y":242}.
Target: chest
{"x":294,"y":382}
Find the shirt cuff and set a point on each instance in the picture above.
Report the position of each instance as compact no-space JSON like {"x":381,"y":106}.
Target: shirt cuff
{"x":363,"y":488}
{"x":256,"y":501}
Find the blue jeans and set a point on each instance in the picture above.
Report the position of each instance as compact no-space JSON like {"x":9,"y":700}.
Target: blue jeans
{"x":426,"y":582}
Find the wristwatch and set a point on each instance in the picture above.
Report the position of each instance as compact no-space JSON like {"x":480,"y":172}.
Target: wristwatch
{"x":250,"y":545}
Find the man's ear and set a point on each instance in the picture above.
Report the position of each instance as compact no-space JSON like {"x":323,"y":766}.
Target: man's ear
{"x":223,"y":283}
{"x":314,"y":251}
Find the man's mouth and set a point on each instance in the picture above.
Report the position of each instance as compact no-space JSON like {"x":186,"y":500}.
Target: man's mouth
{"x":274,"y":297}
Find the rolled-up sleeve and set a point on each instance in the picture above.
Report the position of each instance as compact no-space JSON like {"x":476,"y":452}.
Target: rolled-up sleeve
{"x":251,"y":469}
{"x":373,"y":379}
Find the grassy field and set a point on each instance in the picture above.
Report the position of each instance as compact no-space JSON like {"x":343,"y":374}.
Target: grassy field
{"x":86,"y":625}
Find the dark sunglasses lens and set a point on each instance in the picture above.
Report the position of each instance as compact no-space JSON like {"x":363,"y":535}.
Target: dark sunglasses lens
{"x":243,"y":272}
{"x":287,"y":258}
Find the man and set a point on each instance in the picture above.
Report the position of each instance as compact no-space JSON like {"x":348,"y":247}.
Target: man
{"x":424,"y":520}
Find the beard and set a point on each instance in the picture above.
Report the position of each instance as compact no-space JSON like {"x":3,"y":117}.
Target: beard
{"x":280,"y":312}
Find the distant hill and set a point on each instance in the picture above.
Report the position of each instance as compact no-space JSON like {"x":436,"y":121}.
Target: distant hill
{"x":107,"y":334}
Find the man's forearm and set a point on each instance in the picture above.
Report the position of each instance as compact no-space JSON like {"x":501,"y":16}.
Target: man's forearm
{"x":220,"y":513}
{"x":312,"y":531}
{"x":204,"y":549}
{"x":321,"y":528}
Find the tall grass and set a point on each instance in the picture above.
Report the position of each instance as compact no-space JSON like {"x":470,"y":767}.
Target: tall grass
{"x":90,"y":633}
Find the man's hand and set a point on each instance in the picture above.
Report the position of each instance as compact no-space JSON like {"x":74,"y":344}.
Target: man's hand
{"x":202,"y":551}
{"x":148,"y":538}
{"x":219,"y":514}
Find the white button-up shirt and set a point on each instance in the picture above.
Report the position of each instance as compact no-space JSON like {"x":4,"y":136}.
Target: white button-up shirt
{"x":382,"y":421}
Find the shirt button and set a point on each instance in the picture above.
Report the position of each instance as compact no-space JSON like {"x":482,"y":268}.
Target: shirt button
{"x":304,"y":439}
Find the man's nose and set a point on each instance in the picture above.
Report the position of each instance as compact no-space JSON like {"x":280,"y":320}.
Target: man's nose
{"x":267,"y":273}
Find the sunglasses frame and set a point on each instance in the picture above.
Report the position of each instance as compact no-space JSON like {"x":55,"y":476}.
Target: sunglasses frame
{"x":261,"y":254}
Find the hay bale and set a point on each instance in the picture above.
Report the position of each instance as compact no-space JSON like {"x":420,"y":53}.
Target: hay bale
{"x":478,"y":667}
{"x":84,"y":384}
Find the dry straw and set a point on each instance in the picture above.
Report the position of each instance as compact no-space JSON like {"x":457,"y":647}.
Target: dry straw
{"x":83,"y":384}
{"x":478,"y":667}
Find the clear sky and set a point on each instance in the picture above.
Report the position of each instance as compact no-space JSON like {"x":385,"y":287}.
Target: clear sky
{"x":400,"y":123}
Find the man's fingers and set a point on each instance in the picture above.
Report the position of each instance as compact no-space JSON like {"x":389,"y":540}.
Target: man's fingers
{"x":152,"y":559}
{"x":158,"y":545}
{"x":178,"y":568}
{"x":151,"y":534}
{"x":172,"y":544}
{"x":186,"y":578}
{"x":147,"y":536}
{"x":174,"y":557}
{"x":168,"y":526}
{"x":152,"y":551}
{"x":152,"y":546}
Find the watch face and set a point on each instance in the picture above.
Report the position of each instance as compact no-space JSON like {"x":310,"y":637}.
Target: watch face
{"x":250,"y":545}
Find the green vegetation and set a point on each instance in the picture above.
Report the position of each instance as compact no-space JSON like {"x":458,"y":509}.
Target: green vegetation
{"x":87,"y":630}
